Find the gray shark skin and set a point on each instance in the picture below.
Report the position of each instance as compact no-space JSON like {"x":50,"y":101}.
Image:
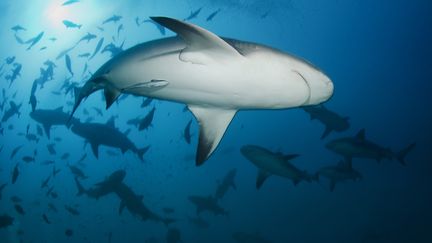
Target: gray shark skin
{"x":359,"y":147}
{"x":135,"y":205}
{"x":106,"y":134}
{"x":341,"y":172}
{"x":14,"y":109}
{"x":174,"y":69}
{"x":49,"y":118}
{"x":227,"y":182}
{"x":173,"y":236}
{"x":102,"y":188}
{"x":242,"y":237}
{"x":270,"y":163}
{"x":331,"y":120}
{"x":199,"y":222}
{"x":208,"y":203}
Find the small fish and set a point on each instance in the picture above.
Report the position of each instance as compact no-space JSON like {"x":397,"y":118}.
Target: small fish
{"x":69,"y":64}
{"x":84,"y":55}
{"x":53,"y":39}
{"x":85,"y":69}
{"x":51,"y":149}
{"x":147,"y":120}
{"x":33,"y":41}
{"x":98,"y":47}
{"x":28,"y":159}
{"x":32,"y":137}
{"x":70,"y":24}
{"x":120,"y":28}
{"x":15,"y":151}
{"x":88,"y":37}
{"x":16,"y":199}
{"x":43,"y":48}
{"x":114,"y":19}
{"x":48,"y":162}
{"x":10,"y":60}
{"x":45,"y":218}
{"x":68,"y":232}
{"x":70,"y":2}
{"x":65,"y":156}
{"x":45,"y":182}
{"x":15,"y":174}
{"x":82,"y":158}
{"x":193,"y":14}
{"x":72,"y":210}
{"x":17,"y":28}
{"x":212,"y":15}
{"x":137,"y":21}
{"x":55,"y":171}
{"x":19,"y":209}
{"x":187,"y":134}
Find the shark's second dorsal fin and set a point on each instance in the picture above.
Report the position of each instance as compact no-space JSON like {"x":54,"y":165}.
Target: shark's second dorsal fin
{"x":198,"y":40}
{"x":361,"y":134}
{"x":213,"y":123}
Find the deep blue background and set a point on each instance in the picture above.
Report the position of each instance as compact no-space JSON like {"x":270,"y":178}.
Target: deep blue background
{"x":378,"y":54}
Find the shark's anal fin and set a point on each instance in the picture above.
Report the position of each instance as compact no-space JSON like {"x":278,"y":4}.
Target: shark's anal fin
{"x":202,"y":45}
{"x":261,"y":178}
{"x":213,"y":123}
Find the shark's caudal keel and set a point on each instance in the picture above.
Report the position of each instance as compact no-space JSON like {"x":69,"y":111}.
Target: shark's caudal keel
{"x":214,"y":76}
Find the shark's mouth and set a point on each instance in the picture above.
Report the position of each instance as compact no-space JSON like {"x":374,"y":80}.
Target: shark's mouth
{"x":307,"y":85}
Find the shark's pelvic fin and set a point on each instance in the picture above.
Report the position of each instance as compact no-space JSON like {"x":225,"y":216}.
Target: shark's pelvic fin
{"x":261,"y":178}
{"x":202,"y":45}
{"x":213,"y":123}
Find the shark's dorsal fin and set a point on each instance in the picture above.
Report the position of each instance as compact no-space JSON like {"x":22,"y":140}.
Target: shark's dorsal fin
{"x":361,"y":134}
{"x":261,"y":177}
{"x":202,"y":45}
{"x":213,"y":123}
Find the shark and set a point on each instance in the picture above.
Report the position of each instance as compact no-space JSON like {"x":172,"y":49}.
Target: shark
{"x":214,"y":76}
{"x":331,"y":120}
{"x":103,"y":188}
{"x":271,"y":163}
{"x":49,"y":118}
{"x":13,"y":110}
{"x":208,"y":203}
{"x":228,"y":181}
{"x":106,"y":134}
{"x":343,"y":171}
{"x":360,"y":147}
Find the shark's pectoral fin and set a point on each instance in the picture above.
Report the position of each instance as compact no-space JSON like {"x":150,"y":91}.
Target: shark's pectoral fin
{"x":95,"y":149}
{"x":47,"y":128}
{"x":202,"y":45}
{"x":332,"y":185}
{"x":213,"y":123}
{"x":261,"y":178}
{"x":111,"y":95}
{"x":326,"y":132}
{"x":122,"y":206}
{"x":147,"y":86}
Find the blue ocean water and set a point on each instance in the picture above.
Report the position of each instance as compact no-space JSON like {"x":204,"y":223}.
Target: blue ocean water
{"x":377,"y":53}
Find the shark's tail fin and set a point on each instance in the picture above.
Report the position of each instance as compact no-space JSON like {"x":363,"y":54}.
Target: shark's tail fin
{"x":402,"y":154}
{"x":81,"y":189}
{"x":168,"y":221}
{"x":142,"y":151}
{"x":78,"y":99}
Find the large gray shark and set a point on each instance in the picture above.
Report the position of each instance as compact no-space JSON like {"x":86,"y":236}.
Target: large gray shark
{"x":343,"y":171}
{"x":227,"y":182}
{"x":208,"y":203}
{"x":49,"y":118}
{"x":270,"y":163}
{"x":331,"y":120}
{"x":106,"y":134}
{"x":214,"y":76}
{"x":102,"y":188}
{"x":359,"y":147}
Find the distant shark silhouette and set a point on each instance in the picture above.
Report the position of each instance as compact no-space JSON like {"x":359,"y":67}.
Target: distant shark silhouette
{"x":214,"y":76}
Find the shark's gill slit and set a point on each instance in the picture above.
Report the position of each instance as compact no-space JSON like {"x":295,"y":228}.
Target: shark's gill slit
{"x":307,"y":85}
